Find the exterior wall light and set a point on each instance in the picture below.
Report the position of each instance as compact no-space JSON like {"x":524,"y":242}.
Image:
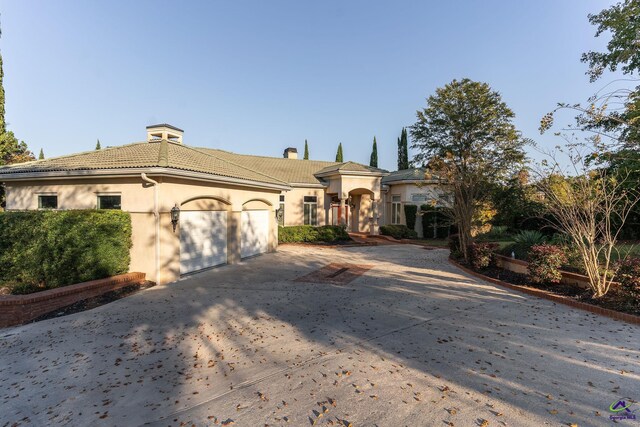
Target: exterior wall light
{"x":175,"y":216}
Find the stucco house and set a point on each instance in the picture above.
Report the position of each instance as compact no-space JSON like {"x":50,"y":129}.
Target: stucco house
{"x":195,"y":208}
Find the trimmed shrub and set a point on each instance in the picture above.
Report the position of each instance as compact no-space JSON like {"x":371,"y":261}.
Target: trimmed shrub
{"x":545,"y":262}
{"x":332,"y":233}
{"x":434,"y":215}
{"x":410,"y":213}
{"x":455,"y":248}
{"x":628,"y":275}
{"x":311,"y":234}
{"x":47,"y":249}
{"x":481,"y":254}
{"x":398,"y":231}
{"x":297,"y":234}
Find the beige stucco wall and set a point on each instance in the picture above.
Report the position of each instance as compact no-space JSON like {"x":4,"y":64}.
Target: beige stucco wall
{"x":138,"y":199}
{"x":405,"y":191}
{"x":294,"y":208}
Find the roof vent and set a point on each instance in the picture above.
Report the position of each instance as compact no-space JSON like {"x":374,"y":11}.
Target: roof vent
{"x":164,"y":131}
{"x":291,"y":153}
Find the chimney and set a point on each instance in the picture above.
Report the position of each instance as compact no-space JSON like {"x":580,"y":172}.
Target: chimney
{"x":164,"y":131}
{"x":291,"y":153}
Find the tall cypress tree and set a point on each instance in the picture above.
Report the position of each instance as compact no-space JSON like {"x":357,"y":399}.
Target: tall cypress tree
{"x":41,"y":156}
{"x":3,"y":124}
{"x":374,"y":154}
{"x":403,"y":152}
{"x":339,"y":158}
{"x":98,"y":147}
{"x":306,"y":150}
{"x":405,"y":149}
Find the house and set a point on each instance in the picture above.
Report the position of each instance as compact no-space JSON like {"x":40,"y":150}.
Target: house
{"x":195,"y":208}
{"x":414,"y":186}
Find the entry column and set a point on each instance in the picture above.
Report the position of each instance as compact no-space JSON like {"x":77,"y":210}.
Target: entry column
{"x":373,"y":220}
{"x":234,"y":237}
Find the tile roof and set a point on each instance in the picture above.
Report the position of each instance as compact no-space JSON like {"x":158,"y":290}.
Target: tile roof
{"x":413,"y":174}
{"x":167,"y":154}
{"x":293,"y":171}
{"x":144,"y":155}
{"x":350,"y":167}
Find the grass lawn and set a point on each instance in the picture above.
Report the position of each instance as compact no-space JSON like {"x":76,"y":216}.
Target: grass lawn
{"x":631,"y":249}
{"x":443,"y":243}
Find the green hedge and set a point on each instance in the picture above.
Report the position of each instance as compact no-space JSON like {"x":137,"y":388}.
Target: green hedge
{"x":410,"y":213}
{"x":398,"y":231}
{"x":311,"y":234}
{"x":433,"y":214}
{"x":48,"y":249}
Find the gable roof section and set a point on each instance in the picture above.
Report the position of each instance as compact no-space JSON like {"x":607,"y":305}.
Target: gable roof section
{"x":350,"y":167}
{"x":413,"y":174}
{"x":161,"y":154}
{"x":292,"y":171}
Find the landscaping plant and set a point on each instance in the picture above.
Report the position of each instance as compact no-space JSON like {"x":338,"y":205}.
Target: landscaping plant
{"x":628,"y":275}
{"x":410,"y":213}
{"x":454,"y":246}
{"x":398,"y":231}
{"x":311,"y":234}
{"x":545,"y":262}
{"x":48,"y":249}
{"x":482,"y":254}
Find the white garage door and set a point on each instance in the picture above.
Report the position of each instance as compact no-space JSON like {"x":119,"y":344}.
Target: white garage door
{"x":203,"y":240}
{"x":255,"y":233}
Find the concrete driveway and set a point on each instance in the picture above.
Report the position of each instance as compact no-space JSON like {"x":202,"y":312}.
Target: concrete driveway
{"x":411,"y":342}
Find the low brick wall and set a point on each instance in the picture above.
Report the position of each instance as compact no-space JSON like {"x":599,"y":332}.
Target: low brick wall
{"x":519,"y":266}
{"x":625,"y":317}
{"x":19,"y":309}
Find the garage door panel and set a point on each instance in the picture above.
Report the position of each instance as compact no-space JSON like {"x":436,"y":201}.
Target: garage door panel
{"x":203,"y":240}
{"x":255,"y":233}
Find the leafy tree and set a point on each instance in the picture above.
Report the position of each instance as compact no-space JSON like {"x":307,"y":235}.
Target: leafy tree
{"x":339,"y":157}
{"x":306,"y":150}
{"x":374,"y":154}
{"x":98,"y":147}
{"x":41,"y":155}
{"x":516,"y":202}
{"x":11,"y":150}
{"x":613,"y":114}
{"x":467,"y":137}
{"x":621,"y":21}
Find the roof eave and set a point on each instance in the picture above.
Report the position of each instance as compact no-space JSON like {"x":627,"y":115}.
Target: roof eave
{"x":357,"y":173}
{"x":134,"y":172}
{"x":413,"y":181}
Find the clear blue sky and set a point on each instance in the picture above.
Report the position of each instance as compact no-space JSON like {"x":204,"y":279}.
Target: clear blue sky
{"x":257,"y":77}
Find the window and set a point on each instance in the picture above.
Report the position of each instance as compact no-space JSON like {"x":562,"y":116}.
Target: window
{"x":310,"y":210}
{"x":47,"y":202}
{"x":109,"y":202}
{"x":281,"y":211}
{"x":395,"y":209}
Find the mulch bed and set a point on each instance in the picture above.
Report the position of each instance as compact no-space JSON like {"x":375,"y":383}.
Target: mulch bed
{"x":90,"y":303}
{"x":614,"y":300}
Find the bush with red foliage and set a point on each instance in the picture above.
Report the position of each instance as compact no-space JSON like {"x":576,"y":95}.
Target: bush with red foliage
{"x":628,"y":275}
{"x":481,"y":254}
{"x":545,"y":262}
